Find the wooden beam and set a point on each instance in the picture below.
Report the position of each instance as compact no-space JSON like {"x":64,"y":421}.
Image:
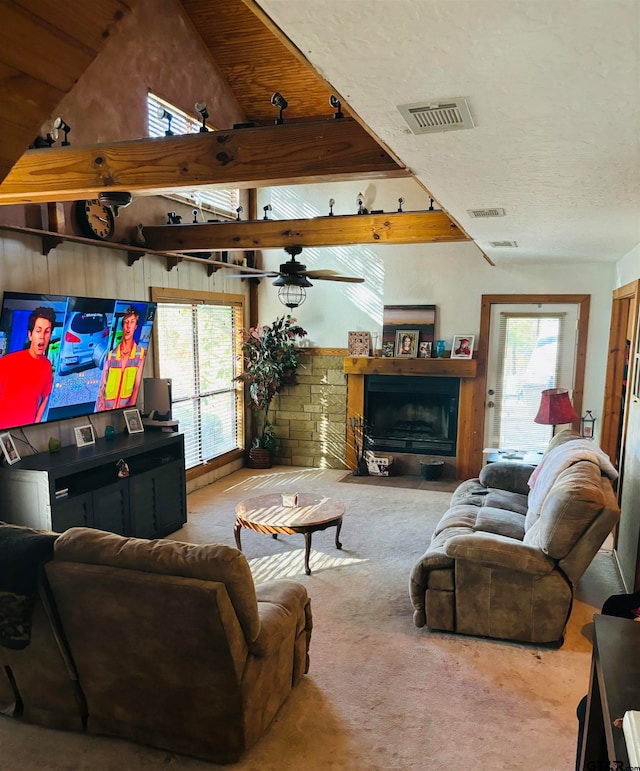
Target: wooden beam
{"x":393,"y":228}
{"x":294,"y":153}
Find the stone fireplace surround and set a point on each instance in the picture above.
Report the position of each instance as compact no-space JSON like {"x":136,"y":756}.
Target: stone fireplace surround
{"x":357,"y":368}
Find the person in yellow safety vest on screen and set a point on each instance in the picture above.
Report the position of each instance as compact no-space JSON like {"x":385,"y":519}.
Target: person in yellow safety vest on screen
{"x":123,"y":367}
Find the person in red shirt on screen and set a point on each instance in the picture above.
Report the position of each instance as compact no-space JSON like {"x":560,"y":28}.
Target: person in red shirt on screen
{"x":26,"y":377}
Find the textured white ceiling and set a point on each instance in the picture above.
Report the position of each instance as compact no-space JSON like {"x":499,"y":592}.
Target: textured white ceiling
{"x":554,"y":91}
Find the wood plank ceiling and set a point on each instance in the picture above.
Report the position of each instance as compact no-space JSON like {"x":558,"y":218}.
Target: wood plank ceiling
{"x":256,"y":62}
{"x":45,"y":48}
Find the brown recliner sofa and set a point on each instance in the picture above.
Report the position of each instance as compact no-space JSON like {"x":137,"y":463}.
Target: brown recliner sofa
{"x":504,"y":559}
{"x":165,"y":643}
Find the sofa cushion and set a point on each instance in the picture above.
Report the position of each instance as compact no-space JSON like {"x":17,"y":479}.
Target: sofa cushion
{"x":506,"y":475}
{"x":458,"y":516}
{"x":500,"y":522}
{"x":208,"y":562}
{"x":576,"y":500}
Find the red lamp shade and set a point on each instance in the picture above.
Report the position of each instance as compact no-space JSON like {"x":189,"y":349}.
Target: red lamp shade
{"x":555,"y":408}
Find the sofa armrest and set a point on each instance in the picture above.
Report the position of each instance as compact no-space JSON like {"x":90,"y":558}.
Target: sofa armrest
{"x":282,"y":604}
{"x":499,"y":551}
{"x":504,"y":475}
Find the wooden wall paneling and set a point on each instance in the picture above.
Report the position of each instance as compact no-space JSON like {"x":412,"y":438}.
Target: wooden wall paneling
{"x":464,"y":454}
{"x":355,"y":409}
{"x":624,"y":311}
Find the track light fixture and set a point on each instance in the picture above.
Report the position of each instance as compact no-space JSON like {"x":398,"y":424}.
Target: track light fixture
{"x":332,"y":203}
{"x":335,"y":103}
{"x":115,"y":199}
{"x":201,"y":108}
{"x":277,"y":100}
{"x":360,"y":202}
{"x":164,"y":115}
{"x":266,"y":210}
{"x":60,"y":125}
{"x":239,"y":210}
{"x":400,"y":202}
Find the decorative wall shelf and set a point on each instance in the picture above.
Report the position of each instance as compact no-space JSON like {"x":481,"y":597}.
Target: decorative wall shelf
{"x":370,"y":365}
{"x":51,"y":239}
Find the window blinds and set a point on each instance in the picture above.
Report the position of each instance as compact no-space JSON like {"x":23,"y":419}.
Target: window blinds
{"x":199,"y":348}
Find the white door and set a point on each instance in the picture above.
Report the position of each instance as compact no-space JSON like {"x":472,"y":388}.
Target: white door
{"x":531,"y":347}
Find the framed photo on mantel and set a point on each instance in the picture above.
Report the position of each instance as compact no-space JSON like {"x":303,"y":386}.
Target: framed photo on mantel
{"x":359,"y":343}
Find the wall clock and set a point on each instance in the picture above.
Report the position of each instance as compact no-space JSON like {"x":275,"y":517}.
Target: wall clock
{"x":95,"y":219}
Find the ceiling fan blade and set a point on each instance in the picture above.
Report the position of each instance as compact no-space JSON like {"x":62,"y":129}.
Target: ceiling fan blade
{"x":320,"y":273}
{"x":251,"y":274}
{"x":346,"y":279}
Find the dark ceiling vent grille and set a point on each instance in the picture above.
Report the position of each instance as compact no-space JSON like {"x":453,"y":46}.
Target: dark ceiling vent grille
{"x":433,"y":117}
{"x":494,"y":211}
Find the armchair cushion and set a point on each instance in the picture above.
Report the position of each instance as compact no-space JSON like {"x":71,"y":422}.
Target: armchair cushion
{"x":207,"y":562}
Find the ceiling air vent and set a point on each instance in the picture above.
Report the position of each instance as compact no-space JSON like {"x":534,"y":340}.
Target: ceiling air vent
{"x":493,"y":212}
{"x":500,"y":244}
{"x":433,"y":117}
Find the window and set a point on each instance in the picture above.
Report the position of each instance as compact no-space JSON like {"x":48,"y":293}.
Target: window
{"x":199,"y":347}
{"x":533,"y":351}
{"x":224,"y":203}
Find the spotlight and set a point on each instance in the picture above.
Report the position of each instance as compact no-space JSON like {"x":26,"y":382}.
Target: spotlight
{"x":164,"y":115}
{"x":430,"y":204}
{"x":277,"y":100}
{"x":266,"y":209}
{"x":238,"y":211}
{"x":195,"y":215}
{"x":400,"y":202}
{"x":173,"y":218}
{"x":335,"y":103}
{"x":115,"y":200}
{"x":59,"y":124}
{"x":332,"y":203}
{"x":201,"y":107}
{"x":360,"y":202}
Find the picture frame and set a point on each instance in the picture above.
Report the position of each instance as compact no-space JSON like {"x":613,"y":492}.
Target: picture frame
{"x":424,"y":350}
{"x":85,"y":435}
{"x":462,"y":346}
{"x":420,"y":317}
{"x":9,"y":449}
{"x":407,"y":343}
{"x":134,"y":421}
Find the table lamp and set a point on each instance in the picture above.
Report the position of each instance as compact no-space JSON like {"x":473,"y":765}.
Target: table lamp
{"x":555,"y":408}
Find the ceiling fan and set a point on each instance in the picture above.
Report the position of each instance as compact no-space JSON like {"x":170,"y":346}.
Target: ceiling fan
{"x":293,"y":278}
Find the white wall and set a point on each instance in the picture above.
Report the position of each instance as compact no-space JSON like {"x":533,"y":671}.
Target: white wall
{"x":628,"y":268}
{"x":452,"y":276}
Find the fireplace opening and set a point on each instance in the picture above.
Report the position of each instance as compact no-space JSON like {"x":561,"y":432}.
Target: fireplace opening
{"x":412,"y":414}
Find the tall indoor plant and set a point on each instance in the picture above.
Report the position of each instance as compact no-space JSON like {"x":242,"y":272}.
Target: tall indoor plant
{"x":270,"y":364}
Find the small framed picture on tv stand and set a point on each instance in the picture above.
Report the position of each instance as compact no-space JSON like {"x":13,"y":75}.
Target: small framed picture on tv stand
{"x":134,"y":421}
{"x":85,"y":435}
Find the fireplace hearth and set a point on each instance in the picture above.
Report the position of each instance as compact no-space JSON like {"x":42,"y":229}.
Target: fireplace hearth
{"x":411,"y":414}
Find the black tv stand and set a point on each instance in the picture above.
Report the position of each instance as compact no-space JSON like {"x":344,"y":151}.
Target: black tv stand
{"x":80,"y":486}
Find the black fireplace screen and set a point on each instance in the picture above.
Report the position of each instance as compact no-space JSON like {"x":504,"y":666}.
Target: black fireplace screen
{"x":414,"y":414}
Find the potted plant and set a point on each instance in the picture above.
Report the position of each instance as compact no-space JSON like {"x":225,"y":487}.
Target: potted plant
{"x":270,"y":364}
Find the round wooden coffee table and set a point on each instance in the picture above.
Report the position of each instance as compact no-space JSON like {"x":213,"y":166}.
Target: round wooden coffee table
{"x":266,"y":514}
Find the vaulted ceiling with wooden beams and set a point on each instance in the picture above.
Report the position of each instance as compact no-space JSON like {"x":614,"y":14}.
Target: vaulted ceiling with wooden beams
{"x":548,"y":149}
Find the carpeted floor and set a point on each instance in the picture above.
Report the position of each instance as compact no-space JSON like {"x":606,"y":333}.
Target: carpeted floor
{"x":380,"y":693}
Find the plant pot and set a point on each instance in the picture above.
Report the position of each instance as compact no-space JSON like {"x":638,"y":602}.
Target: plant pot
{"x":259,"y":458}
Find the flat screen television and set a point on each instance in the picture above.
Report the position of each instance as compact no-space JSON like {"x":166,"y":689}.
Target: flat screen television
{"x":63,"y":356}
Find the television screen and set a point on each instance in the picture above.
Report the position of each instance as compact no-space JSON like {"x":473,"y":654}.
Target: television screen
{"x":65,"y":357}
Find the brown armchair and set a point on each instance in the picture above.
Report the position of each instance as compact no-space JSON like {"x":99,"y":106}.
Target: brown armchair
{"x":173,"y":644}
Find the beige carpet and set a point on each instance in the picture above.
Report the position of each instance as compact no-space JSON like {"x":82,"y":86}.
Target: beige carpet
{"x":380,"y":693}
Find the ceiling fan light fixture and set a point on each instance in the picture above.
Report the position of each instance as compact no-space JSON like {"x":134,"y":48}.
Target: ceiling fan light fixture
{"x":292,"y":295}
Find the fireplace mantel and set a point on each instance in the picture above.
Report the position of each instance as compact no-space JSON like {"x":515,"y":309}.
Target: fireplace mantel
{"x":370,"y":365}
{"x":357,"y":367}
